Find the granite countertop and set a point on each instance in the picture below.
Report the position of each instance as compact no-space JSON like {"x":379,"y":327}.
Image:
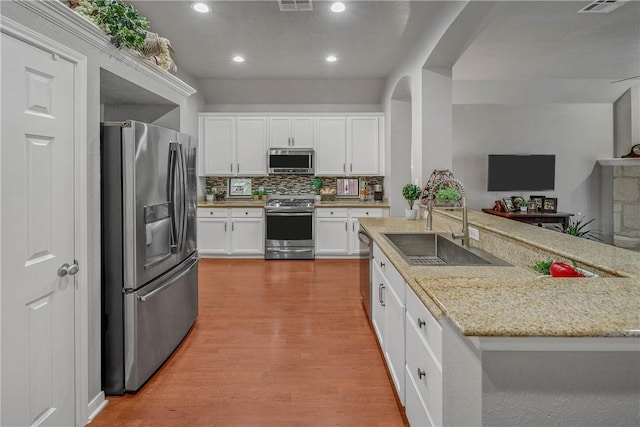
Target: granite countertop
{"x":250,"y":203}
{"x":514,"y":300}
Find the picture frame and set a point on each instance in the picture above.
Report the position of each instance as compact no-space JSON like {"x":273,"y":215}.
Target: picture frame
{"x":508,"y":204}
{"x":538,"y":200}
{"x":550,"y":205}
{"x":239,"y":187}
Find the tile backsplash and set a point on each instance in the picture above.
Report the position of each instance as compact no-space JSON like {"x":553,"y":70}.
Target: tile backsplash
{"x":288,"y":184}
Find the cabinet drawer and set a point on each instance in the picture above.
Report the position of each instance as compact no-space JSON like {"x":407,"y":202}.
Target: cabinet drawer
{"x":390,"y":272}
{"x":332,"y":213}
{"x":212,"y":213}
{"x":424,"y":372}
{"x":246,"y":212}
{"x":425,"y":324}
{"x":366,"y":213}
{"x":414,"y":406}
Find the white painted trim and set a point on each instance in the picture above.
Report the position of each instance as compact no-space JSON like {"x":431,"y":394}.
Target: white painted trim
{"x":33,"y":38}
{"x":96,"y":406}
{"x":631,"y":344}
{"x":64,"y":17}
{"x":620,"y":162}
{"x":298,"y":114}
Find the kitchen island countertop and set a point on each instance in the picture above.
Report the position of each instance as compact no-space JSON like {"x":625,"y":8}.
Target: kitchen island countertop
{"x":513,"y":301}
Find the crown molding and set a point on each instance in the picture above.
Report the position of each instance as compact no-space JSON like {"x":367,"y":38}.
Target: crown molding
{"x":64,"y":17}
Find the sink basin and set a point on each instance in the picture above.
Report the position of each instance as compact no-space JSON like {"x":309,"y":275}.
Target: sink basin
{"x":432,"y":249}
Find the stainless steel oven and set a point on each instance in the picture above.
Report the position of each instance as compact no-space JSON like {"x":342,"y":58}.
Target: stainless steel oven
{"x":289,"y":229}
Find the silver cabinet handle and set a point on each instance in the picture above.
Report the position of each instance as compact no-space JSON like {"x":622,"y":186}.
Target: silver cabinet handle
{"x":225,"y":226}
{"x":238,"y":167}
{"x":66,"y":269}
{"x":346,"y":227}
{"x":293,"y":141}
{"x":350,"y":167}
{"x":232,"y":225}
{"x":421,"y":373}
{"x":421,"y":323}
{"x":231,"y":167}
{"x":382,"y":265}
{"x":381,"y":294}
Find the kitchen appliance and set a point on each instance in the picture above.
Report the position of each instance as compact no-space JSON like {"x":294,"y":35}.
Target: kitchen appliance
{"x":290,"y":161}
{"x":289,"y":228}
{"x":366,"y":253}
{"x":149,"y":257}
{"x":378,"y":194}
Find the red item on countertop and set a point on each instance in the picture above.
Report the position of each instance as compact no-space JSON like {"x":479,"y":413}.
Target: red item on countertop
{"x":560,"y":269}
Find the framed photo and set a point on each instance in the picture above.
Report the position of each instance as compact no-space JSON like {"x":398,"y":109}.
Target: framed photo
{"x":537,"y":201}
{"x":550,"y":205}
{"x":240,"y":187}
{"x":508,"y":204}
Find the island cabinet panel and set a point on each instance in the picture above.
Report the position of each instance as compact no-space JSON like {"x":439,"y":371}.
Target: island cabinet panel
{"x":388,"y":312}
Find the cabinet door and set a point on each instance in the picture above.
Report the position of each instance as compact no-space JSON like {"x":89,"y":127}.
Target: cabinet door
{"x":330,"y":146}
{"x":363,"y":144}
{"x":394,"y":338}
{"x":247,"y":236}
{"x":212,"y":236}
{"x":331,"y":236}
{"x":280,"y":132}
{"x":302,"y":132}
{"x":251,"y":146}
{"x":378,"y":286}
{"x":218,"y":145}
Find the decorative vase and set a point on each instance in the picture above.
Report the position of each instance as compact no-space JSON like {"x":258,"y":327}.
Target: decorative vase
{"x":209,"y":197}
{"x":318,"y":197}
{"x":410,"y":214}
{"x":523,"y":208}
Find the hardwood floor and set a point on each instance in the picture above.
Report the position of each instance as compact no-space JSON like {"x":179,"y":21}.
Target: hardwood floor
{"x":276,"y":343}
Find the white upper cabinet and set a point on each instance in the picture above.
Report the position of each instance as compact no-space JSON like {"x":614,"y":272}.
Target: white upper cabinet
{"x":348,"y":145}
{"x":291,"y":132}
{"x":331,"y":140}
{"x":251,"y":147}
{"x":217,"y":142}
{"x":363,"y":144}
{"x":233,"y":145}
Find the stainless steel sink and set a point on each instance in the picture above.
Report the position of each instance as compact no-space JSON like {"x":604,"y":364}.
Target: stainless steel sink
{"x":431,"y":249}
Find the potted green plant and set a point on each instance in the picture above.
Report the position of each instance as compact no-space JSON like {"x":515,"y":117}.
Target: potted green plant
{"x":522,"y":204}
{"x":447,"y":197}
{"x":264,"y":195}
{"x":209,"y":195}
{"x":255,"y":194}
{"x":317,"y":184}
{"x":411,"y":193}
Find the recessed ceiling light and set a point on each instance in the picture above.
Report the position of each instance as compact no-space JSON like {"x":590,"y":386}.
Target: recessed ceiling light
{"x":331,"y":58}
{"x":238,"y":58}
{"x":200,"y":7}
{"x":338,"y":7}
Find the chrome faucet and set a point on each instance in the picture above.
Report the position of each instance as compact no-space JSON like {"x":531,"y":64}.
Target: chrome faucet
{"x":437,"y":178}
{"x":464,"y":235}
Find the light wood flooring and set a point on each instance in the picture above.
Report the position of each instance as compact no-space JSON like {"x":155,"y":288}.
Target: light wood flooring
{"x":276,"y":343}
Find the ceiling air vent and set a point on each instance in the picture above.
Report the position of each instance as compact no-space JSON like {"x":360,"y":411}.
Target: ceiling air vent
{"x":602,"y":6}
{"x":295,"y":5}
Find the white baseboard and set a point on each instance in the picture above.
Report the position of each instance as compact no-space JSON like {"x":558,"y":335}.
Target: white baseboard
{"x":96,"y":406}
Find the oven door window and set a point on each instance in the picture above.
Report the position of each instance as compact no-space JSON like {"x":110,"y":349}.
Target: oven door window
{"x":290,"y":227}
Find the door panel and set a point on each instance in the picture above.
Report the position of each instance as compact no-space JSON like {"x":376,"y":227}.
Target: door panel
{"x":37,"y":155}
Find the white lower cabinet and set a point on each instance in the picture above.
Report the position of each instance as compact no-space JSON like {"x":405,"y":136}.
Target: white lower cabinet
{"x":423,"y":366}
{"x":337,"y":229}
{"x":230,"y":231}
{"x":388,"y":313}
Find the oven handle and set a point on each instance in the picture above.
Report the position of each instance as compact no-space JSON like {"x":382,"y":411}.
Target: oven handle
{"x":289,"y":213}
{"x":288,"y":250}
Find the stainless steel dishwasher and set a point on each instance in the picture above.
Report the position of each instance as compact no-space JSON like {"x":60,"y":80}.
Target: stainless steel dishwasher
{"x":366,"y":251}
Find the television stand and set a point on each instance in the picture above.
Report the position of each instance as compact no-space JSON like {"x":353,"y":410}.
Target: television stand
{"x":535,"y":217}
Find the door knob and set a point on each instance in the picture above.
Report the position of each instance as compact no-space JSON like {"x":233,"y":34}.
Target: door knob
{"x":66,"y":269}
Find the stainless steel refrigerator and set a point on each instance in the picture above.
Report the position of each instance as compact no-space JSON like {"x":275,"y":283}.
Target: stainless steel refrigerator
{"x":149,"y":258}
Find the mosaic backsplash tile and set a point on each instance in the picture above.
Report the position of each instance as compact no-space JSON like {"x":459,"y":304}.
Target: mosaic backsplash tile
{"x":289,"y":184}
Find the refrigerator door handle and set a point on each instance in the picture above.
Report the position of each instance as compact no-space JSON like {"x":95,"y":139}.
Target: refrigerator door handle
{"x":183,"y":198}
{"x":173,"y":196}
{"x":167,"y":285}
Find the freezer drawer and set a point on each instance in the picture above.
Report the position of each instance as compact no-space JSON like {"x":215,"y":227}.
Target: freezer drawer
{"x":157,"y":318}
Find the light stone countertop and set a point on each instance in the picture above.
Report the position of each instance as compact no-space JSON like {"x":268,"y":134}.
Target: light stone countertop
{"x":514,"y":300}
{"x":250,"y":203}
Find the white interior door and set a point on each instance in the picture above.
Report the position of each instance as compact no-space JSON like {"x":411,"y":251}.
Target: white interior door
{"x":37,"y":214}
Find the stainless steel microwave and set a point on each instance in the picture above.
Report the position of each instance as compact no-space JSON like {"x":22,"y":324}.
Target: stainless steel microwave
{"x":290,"y":160}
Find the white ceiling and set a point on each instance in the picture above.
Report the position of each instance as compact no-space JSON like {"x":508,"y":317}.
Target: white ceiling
{"x":516,"y":40}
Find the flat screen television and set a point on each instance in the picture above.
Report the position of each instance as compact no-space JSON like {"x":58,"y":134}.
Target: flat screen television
{"x":510,"y":172}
